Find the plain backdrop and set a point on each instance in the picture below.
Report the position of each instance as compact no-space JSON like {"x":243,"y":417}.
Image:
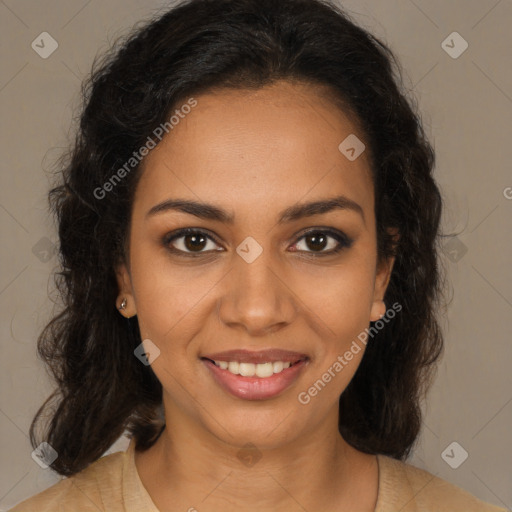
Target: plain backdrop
{"x":466,"y":104}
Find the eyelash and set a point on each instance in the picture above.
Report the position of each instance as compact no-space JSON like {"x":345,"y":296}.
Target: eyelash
{"x":344,"y":242}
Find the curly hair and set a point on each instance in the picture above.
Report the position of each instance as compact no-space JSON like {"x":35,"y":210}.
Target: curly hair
{"x":199,"y":45}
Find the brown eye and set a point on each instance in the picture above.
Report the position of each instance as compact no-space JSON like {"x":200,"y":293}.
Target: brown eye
{"x":318,"y":241}
{"x":194,"y":242}
{"x":189,"y":241}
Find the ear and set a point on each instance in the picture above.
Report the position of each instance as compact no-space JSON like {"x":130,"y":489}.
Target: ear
{"x":125,"y":300}
{"x":382,"y":277}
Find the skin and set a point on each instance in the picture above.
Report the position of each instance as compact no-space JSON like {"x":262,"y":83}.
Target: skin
{"x":254,"y":154}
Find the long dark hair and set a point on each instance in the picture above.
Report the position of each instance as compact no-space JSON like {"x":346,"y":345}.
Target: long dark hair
{"x":103,"y":390}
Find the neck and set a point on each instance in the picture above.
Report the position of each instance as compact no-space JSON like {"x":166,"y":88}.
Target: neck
{"x":193,"y":469}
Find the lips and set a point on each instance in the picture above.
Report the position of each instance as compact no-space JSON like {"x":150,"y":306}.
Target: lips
{"x":225,"y":368}
{"x":255,"y":388}
{"x":263,"y":356}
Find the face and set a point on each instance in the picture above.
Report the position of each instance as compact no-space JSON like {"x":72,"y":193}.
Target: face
{"x":260,"y":282}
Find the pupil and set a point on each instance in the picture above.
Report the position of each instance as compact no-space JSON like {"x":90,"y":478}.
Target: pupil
{"x":318,"y":240}
{"x":197,"y":242}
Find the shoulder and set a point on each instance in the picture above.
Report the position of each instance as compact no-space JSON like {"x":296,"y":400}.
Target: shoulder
{"x":410,"y":489}
{"x":84,"y":491}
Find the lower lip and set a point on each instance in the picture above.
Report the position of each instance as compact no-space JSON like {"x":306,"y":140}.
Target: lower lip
{"x":255,"y":388}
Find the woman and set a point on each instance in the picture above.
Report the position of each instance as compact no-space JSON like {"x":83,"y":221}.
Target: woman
{"x":248,"y":226}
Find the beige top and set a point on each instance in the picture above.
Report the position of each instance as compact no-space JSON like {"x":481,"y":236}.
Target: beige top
{"x":112,"y":484}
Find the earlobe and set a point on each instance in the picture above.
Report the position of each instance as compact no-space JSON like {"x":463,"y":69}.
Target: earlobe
{"x":125,"y":302}
{"x":126,"y":307}
{"x":378,"y":310}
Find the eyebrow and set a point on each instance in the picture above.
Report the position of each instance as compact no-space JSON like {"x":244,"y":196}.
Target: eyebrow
{"x":290,"y":214}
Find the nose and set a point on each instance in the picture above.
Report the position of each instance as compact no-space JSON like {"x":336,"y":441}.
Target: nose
{"x":257,"y":297}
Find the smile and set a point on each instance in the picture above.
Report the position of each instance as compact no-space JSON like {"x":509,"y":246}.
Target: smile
{"x":261,"y":370}
{"x":254,"y":381}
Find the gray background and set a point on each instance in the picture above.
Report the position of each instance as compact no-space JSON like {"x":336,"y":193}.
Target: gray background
{"x":467,"y":110}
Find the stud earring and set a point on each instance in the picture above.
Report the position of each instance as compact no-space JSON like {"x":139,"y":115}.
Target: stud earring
{"x":123,"y":304}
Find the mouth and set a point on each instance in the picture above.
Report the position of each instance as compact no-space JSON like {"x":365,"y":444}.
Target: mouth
{"x":255,"y":375}
{"x":259,"y":370}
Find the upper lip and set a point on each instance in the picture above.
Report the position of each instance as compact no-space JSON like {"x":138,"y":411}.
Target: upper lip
{"x":262,"y":356}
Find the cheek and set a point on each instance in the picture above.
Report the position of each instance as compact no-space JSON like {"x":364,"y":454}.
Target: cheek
{"x":172,"y":300}
{"x":342,"y":305}
{"x":340,"y":296}
{"x":167,"y":309}
{"x":339,"y":302}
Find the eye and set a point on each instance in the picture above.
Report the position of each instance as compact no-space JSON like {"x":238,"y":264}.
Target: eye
{"x":190,"y":241}
{"x":318,"y":240}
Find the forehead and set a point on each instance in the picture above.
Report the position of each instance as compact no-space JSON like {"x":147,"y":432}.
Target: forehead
{"x":272,"y":146}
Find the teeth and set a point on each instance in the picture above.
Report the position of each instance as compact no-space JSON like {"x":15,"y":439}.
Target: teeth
{"x":247,"y":369}
{"x":264,"y":370}
{"x":233,"y":367}
{"x":261,"y":370}
{"x":278,"y":366}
